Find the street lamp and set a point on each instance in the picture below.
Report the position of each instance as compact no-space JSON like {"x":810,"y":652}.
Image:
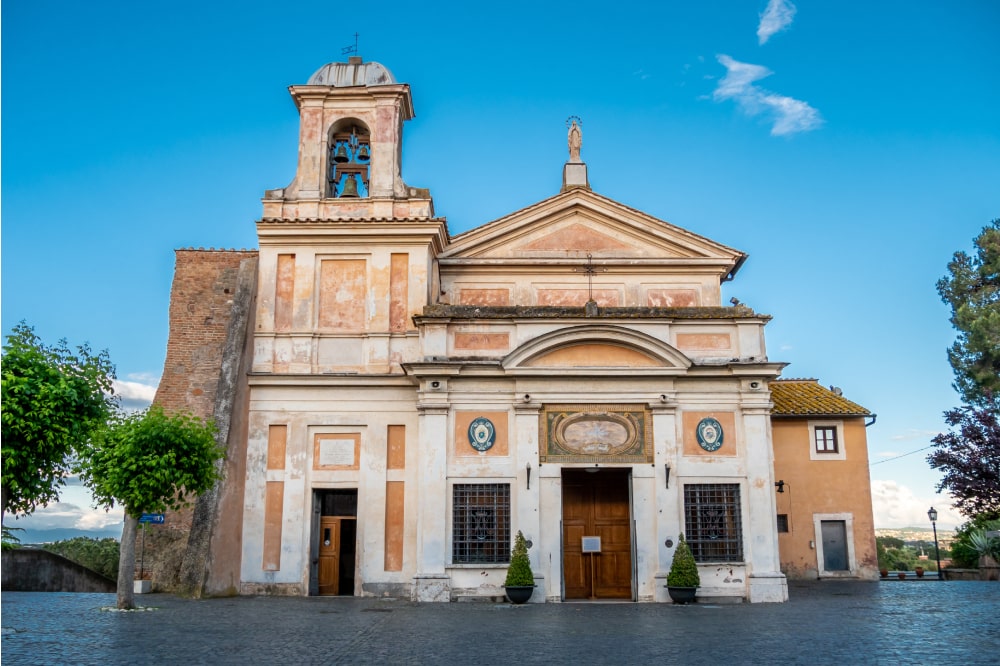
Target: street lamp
{"x":932,"y":514}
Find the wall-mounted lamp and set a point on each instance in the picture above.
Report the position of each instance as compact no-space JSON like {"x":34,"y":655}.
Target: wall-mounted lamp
{"x":527,"y":469}
{"x":780,"y":485}
{"x":666,"y":475}
{"x":754,"y":385}
{"x":435,"y":384}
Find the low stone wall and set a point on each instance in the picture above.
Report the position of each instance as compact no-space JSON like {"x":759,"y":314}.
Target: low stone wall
{"x":36,"y":570}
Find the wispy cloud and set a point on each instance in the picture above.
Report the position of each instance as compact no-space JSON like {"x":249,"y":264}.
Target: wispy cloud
{"x":777,"y":17}
{"x":67,"y":515}
{"x":786,"y":114}
{"x":135,"y":394}
{"x":896,"y":505}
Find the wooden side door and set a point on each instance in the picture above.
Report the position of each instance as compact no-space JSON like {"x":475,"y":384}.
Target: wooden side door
{"x":329,"y":555}
{"x":597,"y":504}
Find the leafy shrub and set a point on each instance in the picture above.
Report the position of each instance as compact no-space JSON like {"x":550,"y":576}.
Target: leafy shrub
{"x":519,"y":572}
{"x":683,"y":569}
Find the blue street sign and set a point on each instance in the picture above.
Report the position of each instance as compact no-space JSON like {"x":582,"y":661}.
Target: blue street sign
{"x":155,"y":518}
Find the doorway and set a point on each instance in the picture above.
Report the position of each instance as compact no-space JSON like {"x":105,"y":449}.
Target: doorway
{"x":834,"y":534}
{"x":335,"y":534}
{"x":597,"y":504}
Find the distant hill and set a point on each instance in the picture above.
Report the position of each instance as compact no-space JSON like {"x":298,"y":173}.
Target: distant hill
{"x":30,"y":536}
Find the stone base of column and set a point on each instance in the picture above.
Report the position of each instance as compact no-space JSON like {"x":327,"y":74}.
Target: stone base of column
{"x":768,"y":588}
{"x":431,"y":587}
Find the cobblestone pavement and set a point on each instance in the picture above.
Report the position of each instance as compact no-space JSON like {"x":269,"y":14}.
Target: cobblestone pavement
{"x":919,"y":622}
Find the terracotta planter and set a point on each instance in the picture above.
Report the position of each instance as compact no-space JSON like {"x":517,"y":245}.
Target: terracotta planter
{"x":901,"y":575}
{"x":919,"y":571}
{"x":884,"y":573}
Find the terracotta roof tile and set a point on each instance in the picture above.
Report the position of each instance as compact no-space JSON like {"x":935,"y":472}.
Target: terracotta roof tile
{"x":805,"y":397}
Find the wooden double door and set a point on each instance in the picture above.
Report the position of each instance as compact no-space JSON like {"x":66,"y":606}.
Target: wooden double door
{"x":597,"y":504}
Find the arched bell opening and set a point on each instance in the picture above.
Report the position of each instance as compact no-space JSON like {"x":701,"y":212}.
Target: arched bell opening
{"x":349,"y":164}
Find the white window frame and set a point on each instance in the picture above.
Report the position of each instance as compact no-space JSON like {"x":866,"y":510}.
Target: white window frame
{"x":848,"y":519}
{"x":841,"y":453}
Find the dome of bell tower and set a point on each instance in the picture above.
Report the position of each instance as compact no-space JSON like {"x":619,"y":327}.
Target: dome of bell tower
{"x":352,"y":73}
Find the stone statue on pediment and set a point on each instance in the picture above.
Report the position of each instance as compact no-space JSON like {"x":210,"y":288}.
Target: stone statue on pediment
{"x":575,"y":140}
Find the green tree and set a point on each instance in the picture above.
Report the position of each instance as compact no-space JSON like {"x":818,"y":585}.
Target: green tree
{"x":101,"y":555}
{"x":972,"y":289}
{"x":969,"y":458}
{"x":54,"y":399}
{"x":149,"y":462}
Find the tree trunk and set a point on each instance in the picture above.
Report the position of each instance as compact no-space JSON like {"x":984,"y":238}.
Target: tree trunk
{"x":126,"y":563}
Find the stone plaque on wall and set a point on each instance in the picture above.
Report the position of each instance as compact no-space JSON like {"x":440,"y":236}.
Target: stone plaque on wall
{"x":596,"y":433}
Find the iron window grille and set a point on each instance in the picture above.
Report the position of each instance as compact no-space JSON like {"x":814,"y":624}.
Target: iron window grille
{"x":782,"y":522}
{"x":480,"y":523}
{"x":712,"y":522}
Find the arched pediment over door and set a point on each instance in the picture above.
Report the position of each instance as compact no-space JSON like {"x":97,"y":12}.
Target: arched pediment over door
{"x":597,"y":350}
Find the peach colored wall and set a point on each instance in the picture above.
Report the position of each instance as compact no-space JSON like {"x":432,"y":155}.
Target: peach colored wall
{"x":462,"y":422}
{"x":594,"y":356}
{"x":577,"y":297}
{"x":284,"y":292}
{"x":394,"y":522}
{"x":576,"y":237}
{"x":484,"y":297}
{"x":822,"y":486}
{"x":395,"y":457}
{"x":704,"y":341}
{"x":398,"y":289}
{"x":483,"y":341}
{"x":277,"y":436}
{"x":273,"y":518}
{"x":672,"y":298}
{"x":690,"y":424}
{"x":342,"y":294}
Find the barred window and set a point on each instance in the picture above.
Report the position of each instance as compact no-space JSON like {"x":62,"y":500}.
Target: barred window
{"x":712,"y":522}
{"x":782,"y":522}
{"x":480,"y":523}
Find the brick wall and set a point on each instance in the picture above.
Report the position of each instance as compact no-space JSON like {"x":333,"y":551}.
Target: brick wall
{"x":201,"y":301}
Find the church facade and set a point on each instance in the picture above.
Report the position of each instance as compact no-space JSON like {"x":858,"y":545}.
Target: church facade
{"x":400,"y":402}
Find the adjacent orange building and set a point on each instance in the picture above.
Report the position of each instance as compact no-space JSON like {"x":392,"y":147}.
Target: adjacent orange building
{"x":824,"y":501}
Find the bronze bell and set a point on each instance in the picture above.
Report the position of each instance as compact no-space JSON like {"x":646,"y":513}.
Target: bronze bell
{"x":350,"y":187}
{"x":341,"y":154}
{"x":363,"y":152}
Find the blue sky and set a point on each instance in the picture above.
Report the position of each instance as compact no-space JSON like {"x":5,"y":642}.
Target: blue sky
{"x":849,"y":148}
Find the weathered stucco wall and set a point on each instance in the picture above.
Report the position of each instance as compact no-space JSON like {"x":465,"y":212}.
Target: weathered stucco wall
{"x":838,"y":487}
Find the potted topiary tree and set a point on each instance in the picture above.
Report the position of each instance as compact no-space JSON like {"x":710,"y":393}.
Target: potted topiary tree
{"x":520,"y":582}
{"x":683,"y":579}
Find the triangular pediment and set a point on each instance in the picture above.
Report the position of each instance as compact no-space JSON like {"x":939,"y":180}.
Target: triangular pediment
{"x":578,"y":237}
{"x":579,"y":223}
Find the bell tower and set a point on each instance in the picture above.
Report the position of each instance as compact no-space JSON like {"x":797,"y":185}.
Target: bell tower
{"x":347,"y":250}
{"x":350,"y":147}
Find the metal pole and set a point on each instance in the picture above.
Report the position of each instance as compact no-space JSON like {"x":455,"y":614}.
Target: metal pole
{"x":937,"y":551}
{"x":142,"y":552}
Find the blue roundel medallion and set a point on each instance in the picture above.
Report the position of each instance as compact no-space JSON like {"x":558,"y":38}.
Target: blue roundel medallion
{"x":709,"y":433}
{"x":482,"y":434}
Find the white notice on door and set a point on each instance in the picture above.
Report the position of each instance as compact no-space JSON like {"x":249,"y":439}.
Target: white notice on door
{"x":336,"y":452}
